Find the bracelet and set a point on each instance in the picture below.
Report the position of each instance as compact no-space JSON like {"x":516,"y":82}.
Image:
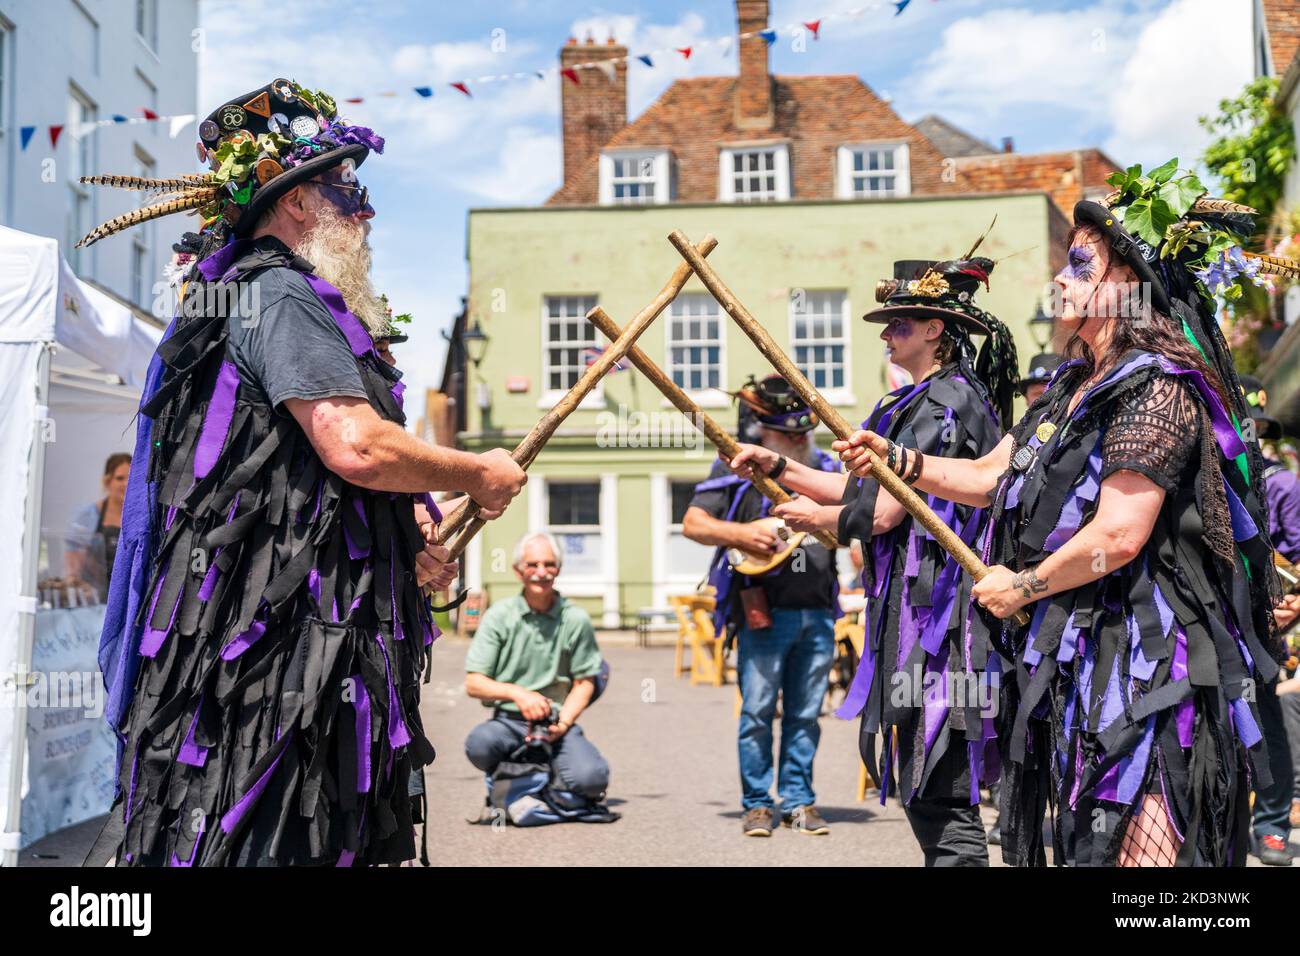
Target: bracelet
{"x":779,"y":467}
{"x":891,"y":460}
{"x":918,"y":460}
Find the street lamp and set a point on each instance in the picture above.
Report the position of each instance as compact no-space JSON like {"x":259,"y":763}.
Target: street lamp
{"x":475,"y":341}
{"x":1041,"y":327}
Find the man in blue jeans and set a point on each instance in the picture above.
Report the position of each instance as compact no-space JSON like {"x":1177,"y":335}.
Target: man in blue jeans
{"x":784,"y":619}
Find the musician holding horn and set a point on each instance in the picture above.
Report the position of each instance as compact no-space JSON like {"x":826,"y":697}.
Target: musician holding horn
{"x":917,"y":597}
{"x":1127,"y":518}
{"x":778,"y":596}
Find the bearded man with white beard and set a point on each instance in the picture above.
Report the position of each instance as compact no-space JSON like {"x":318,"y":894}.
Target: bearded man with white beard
{"x":264,"y":643}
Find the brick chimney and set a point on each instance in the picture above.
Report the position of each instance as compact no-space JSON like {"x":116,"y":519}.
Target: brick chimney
{"x":754,"y":88}
{"x":593,"y":109}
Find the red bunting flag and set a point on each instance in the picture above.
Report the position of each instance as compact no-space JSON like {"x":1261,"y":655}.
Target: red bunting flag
{"x":54,"y":136}
{"x":148,"y":113}
{"x":813,"y":26}
{"x":685,"y":51}
{"x":462,"y":87}
{"x":571,"y":74}
{"x":355,"y":99}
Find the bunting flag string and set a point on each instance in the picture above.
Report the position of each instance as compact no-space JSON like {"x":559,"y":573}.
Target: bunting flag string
{"x":571,"y":72}
{"x":174,"y":126}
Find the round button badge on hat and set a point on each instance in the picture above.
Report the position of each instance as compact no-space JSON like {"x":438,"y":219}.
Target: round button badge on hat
{"x":231,"y":116}
{"x":304,"y":126}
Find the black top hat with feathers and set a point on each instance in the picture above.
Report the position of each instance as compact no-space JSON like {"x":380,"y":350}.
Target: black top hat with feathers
{"x":257,"y":146}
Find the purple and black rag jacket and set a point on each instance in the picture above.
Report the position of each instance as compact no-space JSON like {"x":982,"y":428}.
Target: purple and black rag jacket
{"x":1144,"y":681}
{"x":265,"y":636}
{"x":917,"y":600}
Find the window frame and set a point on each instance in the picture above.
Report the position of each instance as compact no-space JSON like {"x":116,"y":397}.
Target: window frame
{"x":152,"y":11}
{"x":660,"y":176}
{"x":727,"y":175}
{"x":549,"y":396}
{"x":81,"y":162}
{"x":709,"y":396}
{"x":844,"y":171}
{"x":835,"y":394}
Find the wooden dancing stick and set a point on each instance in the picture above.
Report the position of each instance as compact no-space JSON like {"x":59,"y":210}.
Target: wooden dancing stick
{"x":907,"y":497}
{"x":714,"y":432}
{"x":466,"y":517}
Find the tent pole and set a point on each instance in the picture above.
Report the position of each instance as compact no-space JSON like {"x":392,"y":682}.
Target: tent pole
{"x":27,"y":599}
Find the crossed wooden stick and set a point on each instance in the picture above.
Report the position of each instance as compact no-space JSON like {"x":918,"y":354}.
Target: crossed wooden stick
{"x":465,"y":519}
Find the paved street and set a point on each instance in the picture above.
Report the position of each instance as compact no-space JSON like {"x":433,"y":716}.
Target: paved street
{"x":672,"y":753}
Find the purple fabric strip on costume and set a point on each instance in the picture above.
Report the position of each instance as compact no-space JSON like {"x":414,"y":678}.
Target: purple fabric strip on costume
{"x":934,"y":699}
{"x":191,"y":753}
{"x":1069,"y":641}
{"x":860,"y":689}
{"x":230,"y":819}
{"x":882,"y":426}
{"x":1243,"y":526}
{"x":1112,"y":704}
{"x":1184,"y":711}
{"x":1227,"y":436}
{"x":215,"y":265}
{"x":1121,"y":782}
{"x":194,"y":850}
{"x":313,"y":584}
{"x":1082,"y":494}
{"x":398,"y":390}
{"x":362,"y":706}
{"x":1032,"y":655}
{"x":432,"y":506}
{"x":216,"y":422}
{"x":210,"y":578}
{"x":1244,"y":722}
{"x":355,"y":551}
{"x":242,"y":642}
{"x":153,"y":638}
{"x":398,"y":735}
{"x":359,"y":339}
{"x":346,"y":857}
{"x":1139,"y":667}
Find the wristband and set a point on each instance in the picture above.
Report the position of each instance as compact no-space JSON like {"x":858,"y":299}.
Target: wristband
{"x":779,"y":467}
{"x":918,"y":460}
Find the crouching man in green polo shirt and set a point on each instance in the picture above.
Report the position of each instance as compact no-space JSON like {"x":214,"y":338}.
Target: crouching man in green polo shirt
{"x":534,"y":660}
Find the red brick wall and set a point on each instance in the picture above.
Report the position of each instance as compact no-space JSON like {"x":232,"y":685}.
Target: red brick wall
{"x":593,"y":110}
{"x":754,"y":91}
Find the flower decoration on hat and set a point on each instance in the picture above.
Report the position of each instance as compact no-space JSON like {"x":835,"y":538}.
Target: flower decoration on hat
{"x":1167,"y":215}
{"x":257,"y":147}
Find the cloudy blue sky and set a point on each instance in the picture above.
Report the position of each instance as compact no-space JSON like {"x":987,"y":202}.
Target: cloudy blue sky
{"x":1130,"y":76}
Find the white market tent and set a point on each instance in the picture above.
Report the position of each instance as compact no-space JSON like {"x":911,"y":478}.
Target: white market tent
{"x":72,"y":361}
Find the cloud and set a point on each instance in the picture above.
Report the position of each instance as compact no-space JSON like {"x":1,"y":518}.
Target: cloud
{"x":1195,"y":53}
{"x":1131,"y":77}
{"x":524,"y":171}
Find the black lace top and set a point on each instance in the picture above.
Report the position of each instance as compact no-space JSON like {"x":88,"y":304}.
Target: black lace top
{"x":1153,"y":431}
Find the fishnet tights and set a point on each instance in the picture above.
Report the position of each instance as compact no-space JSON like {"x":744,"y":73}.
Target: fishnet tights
{"x":1150,"y":839}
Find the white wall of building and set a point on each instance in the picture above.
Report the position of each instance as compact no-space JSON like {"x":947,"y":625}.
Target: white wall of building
{"x":54,"y":50}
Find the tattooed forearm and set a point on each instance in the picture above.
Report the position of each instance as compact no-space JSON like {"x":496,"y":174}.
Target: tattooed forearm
{"x":1029,"y":583}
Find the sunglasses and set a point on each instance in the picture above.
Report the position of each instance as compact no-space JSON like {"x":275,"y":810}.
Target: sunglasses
{"x":356,"y":199}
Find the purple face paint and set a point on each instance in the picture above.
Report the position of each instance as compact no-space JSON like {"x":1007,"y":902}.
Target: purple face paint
{"x":1081,"y":264}
{"x":899,"y":329}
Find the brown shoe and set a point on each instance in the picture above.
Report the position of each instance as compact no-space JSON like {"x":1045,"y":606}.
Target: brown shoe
{"x":758,"y":822}
{"x":805,"y":820}
{"x":1295,"y":814}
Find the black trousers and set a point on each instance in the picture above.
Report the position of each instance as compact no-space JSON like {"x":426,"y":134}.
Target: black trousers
{"x":949,"y":830}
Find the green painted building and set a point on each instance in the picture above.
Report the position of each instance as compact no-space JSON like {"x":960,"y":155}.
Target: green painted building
{"x":615,"y":480}
{"x":813,"y":186}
